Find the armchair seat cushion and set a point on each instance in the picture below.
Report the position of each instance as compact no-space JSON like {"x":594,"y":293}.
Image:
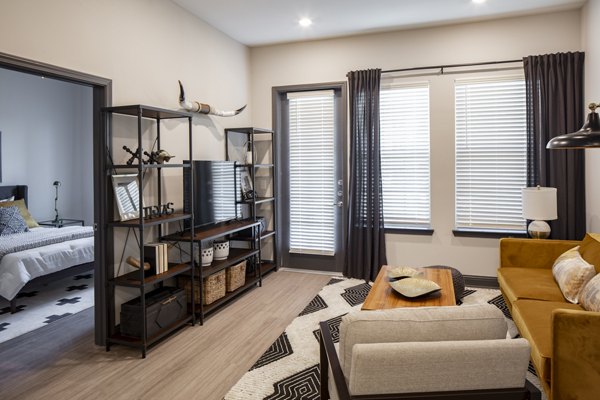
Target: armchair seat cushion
{"x":529,"y":283}
{"x":534,"y":320}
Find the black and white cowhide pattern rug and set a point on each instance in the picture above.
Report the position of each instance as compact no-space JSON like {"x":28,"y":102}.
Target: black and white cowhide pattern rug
{"x":289,"y":369}
{"x":41,"y":306}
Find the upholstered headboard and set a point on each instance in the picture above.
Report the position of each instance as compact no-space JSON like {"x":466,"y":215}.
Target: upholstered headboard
{"x":19,"y":191}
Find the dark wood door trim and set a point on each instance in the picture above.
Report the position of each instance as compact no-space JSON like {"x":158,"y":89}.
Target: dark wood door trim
{"x":102,"y":97}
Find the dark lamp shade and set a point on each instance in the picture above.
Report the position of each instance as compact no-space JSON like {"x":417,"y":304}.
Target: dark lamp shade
{"x":587,"y":136}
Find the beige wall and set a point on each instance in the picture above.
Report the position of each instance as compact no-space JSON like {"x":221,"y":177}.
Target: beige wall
{"x":144,"y":46}
{"x":330,"y":60}
{"x":591,"y":44}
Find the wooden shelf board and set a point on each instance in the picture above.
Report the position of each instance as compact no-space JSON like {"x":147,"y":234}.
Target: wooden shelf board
{"x":132,"y":279}
{"x":250,"y":282}
{"x":213,"y":232}
{"x":135,"y":223}
{"x":249,"y":130}
{"x":147,"y":112}
{"x":266,"y":267}
{"x":147,"y":166}
{"x":256,"y":200}
{"x":118,"y":338}
{"x":235,"y":256}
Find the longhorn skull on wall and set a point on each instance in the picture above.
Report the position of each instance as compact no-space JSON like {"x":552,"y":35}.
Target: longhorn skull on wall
{"x":202,"y":108}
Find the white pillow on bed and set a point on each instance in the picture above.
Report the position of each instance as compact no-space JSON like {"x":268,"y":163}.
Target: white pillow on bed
{"x":11,"y":198}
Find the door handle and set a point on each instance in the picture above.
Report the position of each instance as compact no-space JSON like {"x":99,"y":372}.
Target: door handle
{"x":339,"y":204}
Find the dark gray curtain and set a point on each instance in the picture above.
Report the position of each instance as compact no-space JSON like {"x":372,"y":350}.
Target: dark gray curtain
{"x":554,"y":84}
{"x":365,"y":249}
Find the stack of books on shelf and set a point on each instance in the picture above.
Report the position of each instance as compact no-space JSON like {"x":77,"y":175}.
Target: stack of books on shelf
{"x":156,"y":255}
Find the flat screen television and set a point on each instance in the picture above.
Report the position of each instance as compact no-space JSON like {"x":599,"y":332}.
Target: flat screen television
{"x":214,"y":192}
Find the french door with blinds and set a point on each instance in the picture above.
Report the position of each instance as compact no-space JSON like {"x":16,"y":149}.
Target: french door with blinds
{"x":313,"y":185}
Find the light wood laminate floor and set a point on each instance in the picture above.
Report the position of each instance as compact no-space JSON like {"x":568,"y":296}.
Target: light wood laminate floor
{"x":201,"y":362}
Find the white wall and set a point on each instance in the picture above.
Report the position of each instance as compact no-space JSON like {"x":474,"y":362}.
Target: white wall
{"x":47,"y":136}
{"x":330,"y":60}
{"x":589,"y":37}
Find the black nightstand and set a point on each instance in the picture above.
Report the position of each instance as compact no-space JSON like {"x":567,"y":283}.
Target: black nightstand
{"x":62,"y":222}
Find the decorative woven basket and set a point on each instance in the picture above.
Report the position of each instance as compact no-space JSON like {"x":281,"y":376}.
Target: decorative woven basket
{"x":212,"y":290}
{"x":236,"y":276}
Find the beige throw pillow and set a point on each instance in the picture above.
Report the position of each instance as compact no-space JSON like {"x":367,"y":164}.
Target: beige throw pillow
{"x":572,"y":272}
{"x":589,"y":298}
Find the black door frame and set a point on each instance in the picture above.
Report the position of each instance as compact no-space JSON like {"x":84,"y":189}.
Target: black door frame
{"x":102,"y":97}
{"x":279,"y":101}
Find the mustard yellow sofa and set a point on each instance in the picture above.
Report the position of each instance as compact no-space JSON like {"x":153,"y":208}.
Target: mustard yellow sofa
{"x":564,"y":338}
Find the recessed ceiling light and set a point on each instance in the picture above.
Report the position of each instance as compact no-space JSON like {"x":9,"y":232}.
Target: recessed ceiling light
{"x":305,"y":22}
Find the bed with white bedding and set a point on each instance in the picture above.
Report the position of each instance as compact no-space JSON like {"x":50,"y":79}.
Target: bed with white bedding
{"x":41,"y":254}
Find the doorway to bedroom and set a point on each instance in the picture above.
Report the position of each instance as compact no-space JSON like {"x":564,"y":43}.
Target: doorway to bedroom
{"x":49,"y":122}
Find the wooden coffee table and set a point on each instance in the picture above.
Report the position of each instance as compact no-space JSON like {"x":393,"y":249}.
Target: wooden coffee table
{"x":382,"y":296}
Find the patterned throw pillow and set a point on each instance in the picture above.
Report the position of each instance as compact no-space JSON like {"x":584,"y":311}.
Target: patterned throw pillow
{"x":11,"y":221}
{"x":31,"y":223}
{"x":572,"y":272}
{"x":589,"y":298}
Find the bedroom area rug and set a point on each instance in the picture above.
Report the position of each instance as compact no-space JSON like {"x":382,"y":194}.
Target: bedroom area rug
{"x":43,"y":305}
{"x":289,"y":369}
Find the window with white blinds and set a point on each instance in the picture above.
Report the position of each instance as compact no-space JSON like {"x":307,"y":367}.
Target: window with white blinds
{"x":404,"y":124}
{"x":491,"y":153}
{"x":312,"y":172}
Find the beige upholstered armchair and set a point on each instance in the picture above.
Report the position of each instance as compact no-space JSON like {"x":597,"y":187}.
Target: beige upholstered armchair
{"x":425,"y":353}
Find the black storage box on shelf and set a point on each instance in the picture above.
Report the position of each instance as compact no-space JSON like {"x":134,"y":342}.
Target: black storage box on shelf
{"x":164,"y":306}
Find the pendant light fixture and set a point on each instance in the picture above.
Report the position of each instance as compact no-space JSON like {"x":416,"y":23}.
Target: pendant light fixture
{"x":587,"y":136}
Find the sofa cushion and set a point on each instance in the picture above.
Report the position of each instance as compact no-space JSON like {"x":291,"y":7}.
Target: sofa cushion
{"x":589,"y":298}
{"x":534,"y":320}
{"x":590,"y":249}
{"x":529,"y":283}
{"x":423,"y":324}
{"x":572,"y":272}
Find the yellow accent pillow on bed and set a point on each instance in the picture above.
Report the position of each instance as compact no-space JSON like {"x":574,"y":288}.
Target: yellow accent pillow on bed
{"x":31,"y":223}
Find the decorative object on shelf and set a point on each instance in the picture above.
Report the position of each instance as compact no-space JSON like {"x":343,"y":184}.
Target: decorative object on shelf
{"x":202,"y":108}
{"x":56,"y":184}
{"x":539,"y":205}
{"x":157,"y":157}
{"x":415,"y":287}
{"x":134,"y":262}
{"x":164,"y":306}
{"x":134,"y":155}
{"x":221,"y":249}
{"x":587,"y":136}
{"x":158,"y":211}
{"x":396,"y":273}
{"x":235,"y":276}
{"x":207,"y":256}
{"x":263,"y":224}
{"x":249,"y":153}
{"x":127,"y":195}
{"x":246,"y":185}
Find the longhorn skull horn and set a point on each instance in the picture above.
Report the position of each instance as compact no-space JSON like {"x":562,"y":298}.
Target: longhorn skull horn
{"x":203,"y":108}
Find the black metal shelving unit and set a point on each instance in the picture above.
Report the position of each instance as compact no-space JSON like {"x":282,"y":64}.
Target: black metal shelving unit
{"x":252,"y":136}
{"x":232,"y":230}
{"x":137,"y":279}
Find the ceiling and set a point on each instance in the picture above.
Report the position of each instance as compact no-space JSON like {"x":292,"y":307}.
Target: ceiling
{"x":264,"y":22}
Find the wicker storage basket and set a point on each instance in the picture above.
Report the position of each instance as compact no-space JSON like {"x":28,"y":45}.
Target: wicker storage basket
{"x":212,"y":290}
{"x":236,"y":276}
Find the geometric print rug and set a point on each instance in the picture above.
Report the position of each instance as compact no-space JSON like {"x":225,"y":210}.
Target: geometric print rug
{"x":289,"y":369}
{"x":40,"y":306}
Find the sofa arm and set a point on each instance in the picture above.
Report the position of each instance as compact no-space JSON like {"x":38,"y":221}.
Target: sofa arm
{"x":575,"y":354}
{"x":438,"y":366}
{"x":532,"y":253}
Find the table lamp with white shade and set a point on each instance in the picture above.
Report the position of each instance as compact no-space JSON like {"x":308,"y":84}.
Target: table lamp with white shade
{"x":539,"y":206}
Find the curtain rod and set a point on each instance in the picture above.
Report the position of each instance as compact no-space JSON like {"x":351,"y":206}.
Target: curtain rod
{"x":441,"y":67}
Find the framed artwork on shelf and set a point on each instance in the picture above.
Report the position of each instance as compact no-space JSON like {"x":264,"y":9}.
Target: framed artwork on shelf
{"x":246,"y":185}
{"x":127,"y":195}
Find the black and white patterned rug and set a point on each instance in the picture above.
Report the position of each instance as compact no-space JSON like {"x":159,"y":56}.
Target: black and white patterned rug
{"x":41,"y":306}
{"x":289,"y":369}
